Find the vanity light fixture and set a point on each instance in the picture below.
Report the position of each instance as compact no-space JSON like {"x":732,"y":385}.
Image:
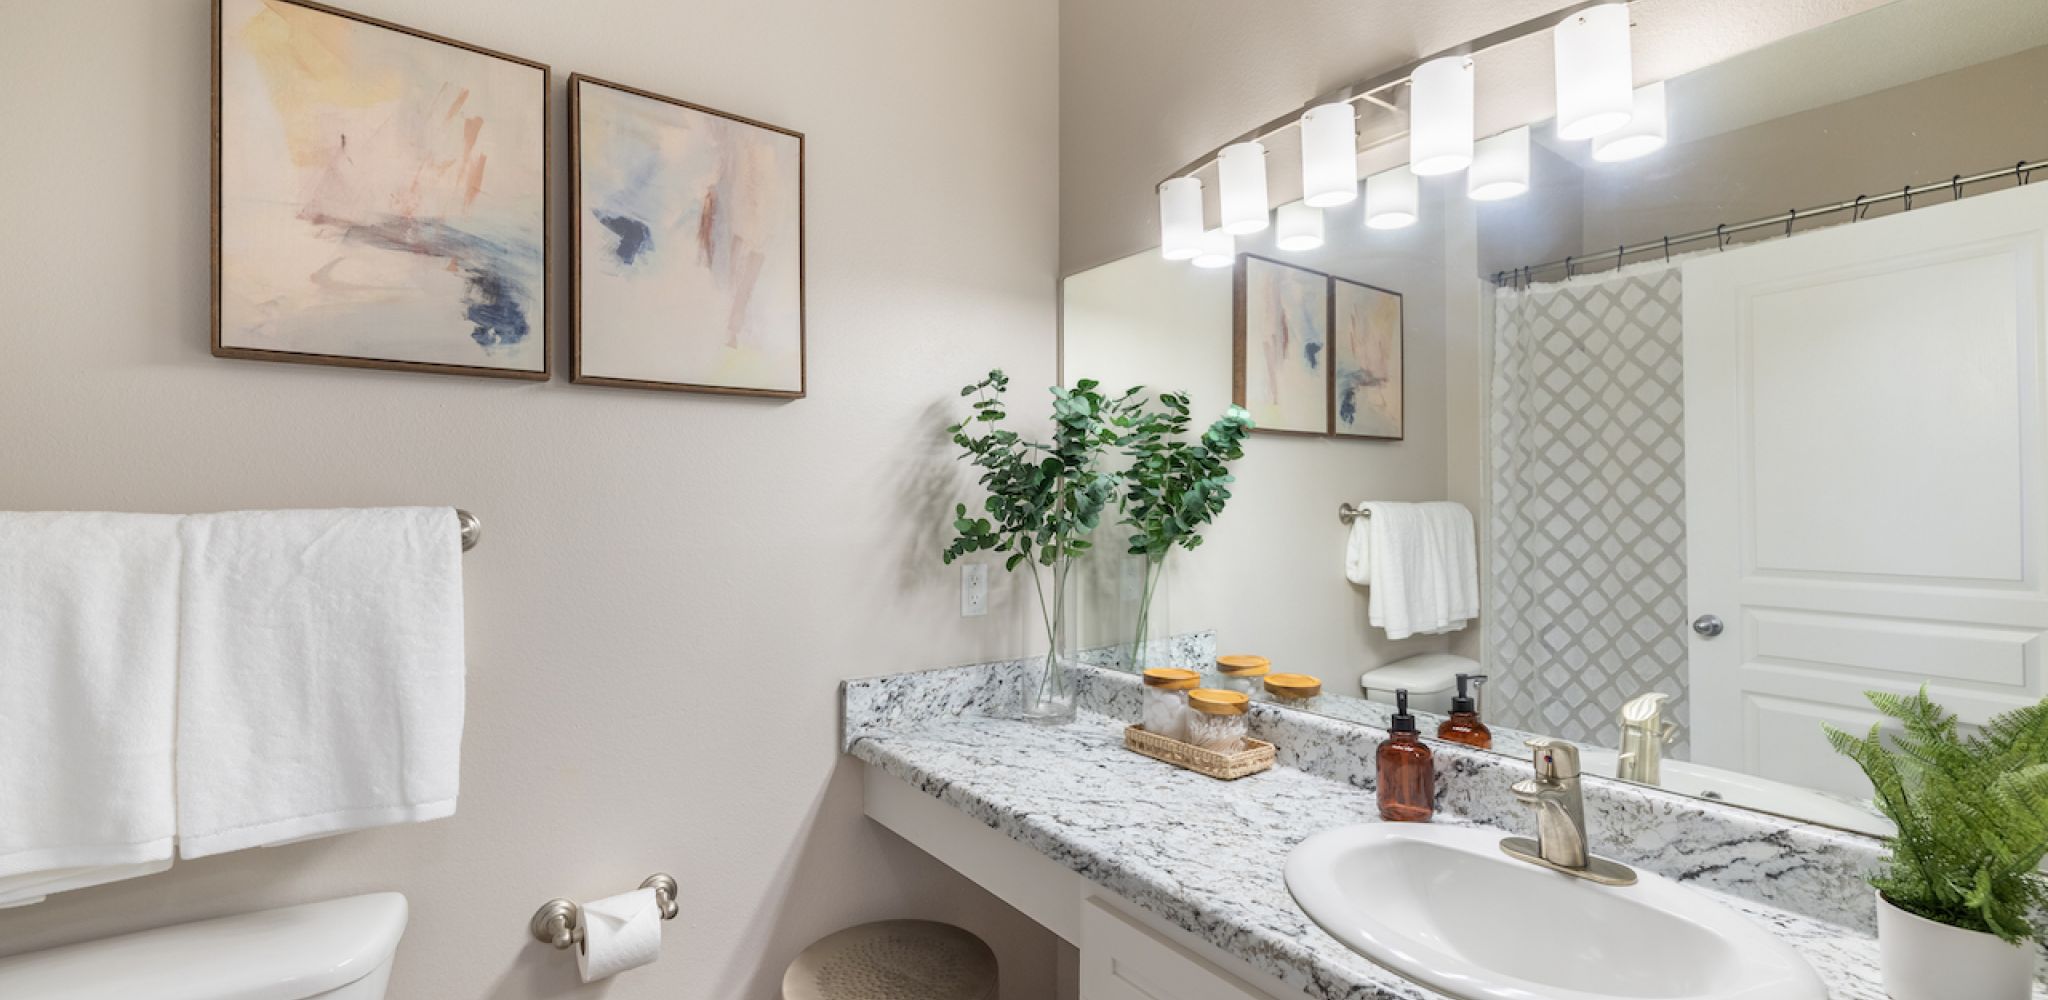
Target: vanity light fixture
{"x":1393,"y":199}
{"x":1241,"y":184}
{"x":1595,"y":79}
{"x":1300,"y":228}
{"x":1217,"y":249}
{"x":1644,"y":133}
{"x":1180,"y":218}
{"x":1500,"y":166}
{"x":1440,"y":116}
{"x":1329,"y":155}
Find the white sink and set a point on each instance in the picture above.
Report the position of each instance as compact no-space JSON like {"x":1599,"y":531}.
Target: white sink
{"x":1444,"y":907}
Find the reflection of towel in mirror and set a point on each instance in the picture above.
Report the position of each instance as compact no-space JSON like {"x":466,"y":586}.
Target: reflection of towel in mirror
{"x":1423,"y":563}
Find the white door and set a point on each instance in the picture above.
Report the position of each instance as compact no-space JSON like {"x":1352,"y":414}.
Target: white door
{"x":1865,"y":478}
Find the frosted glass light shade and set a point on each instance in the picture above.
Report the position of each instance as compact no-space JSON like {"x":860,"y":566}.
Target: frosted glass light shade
{"x":1644,"y":133}
{"x":1241,"y":185}
{"x":1500,"y":166}
{"x":1180,"y":218}
{"x":1595,"y":80}
{"x":1440,"y":116}
{"x":1300,"y":228}
{"x":1218,"y":249}
{"x":1329,"y":155}
{"x":1393,"y":198}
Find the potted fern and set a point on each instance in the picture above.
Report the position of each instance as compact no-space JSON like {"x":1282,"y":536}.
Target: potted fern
{"x":1959,"y":887}
{"x":1172,"y":487}
{"x":1043,"y":501}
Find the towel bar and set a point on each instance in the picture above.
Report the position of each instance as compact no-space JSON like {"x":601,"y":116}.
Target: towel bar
{"x":472,"y":529}
{"x":1347,"y":513}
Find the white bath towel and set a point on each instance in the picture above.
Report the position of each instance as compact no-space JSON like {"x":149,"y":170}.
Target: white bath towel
{"x":320,"y":675}
{"x":1424,"y":562}
{"x":1358,"y":551}
{"x":88,"y":658}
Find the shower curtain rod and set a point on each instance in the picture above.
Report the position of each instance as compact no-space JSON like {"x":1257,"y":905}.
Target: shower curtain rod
{"x":1860,"y":204}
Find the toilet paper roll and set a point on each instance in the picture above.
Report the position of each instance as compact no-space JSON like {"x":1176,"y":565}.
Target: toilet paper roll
{"x":619,"y":933}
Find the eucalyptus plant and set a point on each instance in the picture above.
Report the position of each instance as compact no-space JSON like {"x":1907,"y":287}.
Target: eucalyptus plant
{"x":1043,"y":499}
{"x":1971,"y":812}
{"x":1172,"y":487}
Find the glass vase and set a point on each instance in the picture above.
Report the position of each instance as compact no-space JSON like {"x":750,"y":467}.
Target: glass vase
{"x":1148,"y":644}
{"x":1048,"y":695}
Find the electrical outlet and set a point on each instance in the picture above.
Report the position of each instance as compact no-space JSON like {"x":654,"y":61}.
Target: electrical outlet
{"x":973,"y":589}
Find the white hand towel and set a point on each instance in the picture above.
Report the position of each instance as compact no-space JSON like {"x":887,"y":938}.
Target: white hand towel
{"x":88,"y":660}
{"x":1424,"y":565}
{"x":320,"y":676}
{"x":1358,"y":551}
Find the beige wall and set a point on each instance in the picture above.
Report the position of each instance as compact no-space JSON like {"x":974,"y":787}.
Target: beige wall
{"x":669,"y":586}
{"x":1269,"y":576}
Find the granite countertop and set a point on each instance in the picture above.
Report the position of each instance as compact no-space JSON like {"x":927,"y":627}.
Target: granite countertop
{"x":1207,"y":855}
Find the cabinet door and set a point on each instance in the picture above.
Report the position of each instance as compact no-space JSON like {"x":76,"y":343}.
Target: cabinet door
{"x":1124,"y":960}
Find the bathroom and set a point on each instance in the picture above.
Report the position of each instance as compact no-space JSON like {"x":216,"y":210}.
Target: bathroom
{"x":738,"y":636}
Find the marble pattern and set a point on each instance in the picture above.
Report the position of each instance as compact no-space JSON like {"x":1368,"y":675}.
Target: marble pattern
{"x":1207,"y":856}
{"x":1810,"y":870}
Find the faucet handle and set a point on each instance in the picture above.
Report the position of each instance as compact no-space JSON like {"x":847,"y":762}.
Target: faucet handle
{"x":1555,"y":759}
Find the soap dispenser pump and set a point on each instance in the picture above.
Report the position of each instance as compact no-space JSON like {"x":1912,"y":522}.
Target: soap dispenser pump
{"x":1406,"y":776}
{"x":1464,"y":726}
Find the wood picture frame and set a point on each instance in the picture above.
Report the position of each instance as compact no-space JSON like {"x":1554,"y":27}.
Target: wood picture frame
{"x":1244,"y":366}
{"x":499,"y":267}
{"x":1368,"y":362}
{"x":586,"y":261}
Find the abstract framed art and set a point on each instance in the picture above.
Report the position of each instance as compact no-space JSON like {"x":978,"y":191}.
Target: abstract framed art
{"x":380,"y":195}
{"x":1367,"y":338}
{"x":687,"y":246}
{"x":1280,"y":351}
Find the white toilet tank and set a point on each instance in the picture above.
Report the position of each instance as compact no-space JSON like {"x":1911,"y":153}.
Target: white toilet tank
{"x":335,"y":950}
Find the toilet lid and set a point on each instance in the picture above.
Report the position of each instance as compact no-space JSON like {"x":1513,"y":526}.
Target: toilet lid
{"x":1423,"y":673}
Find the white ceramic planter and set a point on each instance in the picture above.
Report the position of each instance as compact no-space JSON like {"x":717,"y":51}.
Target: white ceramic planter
{"x":1925,"y":960}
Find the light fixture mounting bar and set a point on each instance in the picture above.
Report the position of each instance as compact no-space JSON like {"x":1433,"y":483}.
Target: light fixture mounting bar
{"x":1370,"y":89}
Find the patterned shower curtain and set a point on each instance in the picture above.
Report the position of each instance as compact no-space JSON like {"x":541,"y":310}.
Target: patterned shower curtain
{"x":1587,"y":594}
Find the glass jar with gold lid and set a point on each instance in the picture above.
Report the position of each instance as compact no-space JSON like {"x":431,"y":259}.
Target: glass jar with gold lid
{"x":1241,"y":672}
{"x":1216,"y":719}
{"x":1166,"y":701}
{"x":1293,"y":690}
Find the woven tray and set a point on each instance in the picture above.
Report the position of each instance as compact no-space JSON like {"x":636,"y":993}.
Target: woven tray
{"x":1256,"y":756}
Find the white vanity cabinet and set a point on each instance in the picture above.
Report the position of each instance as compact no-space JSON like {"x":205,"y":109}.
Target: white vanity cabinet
{"x":1126,"y":953}
{"x":1122,"y":959}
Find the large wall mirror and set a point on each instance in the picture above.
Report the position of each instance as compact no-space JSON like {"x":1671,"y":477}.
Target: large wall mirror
{"x":1798,"y":454}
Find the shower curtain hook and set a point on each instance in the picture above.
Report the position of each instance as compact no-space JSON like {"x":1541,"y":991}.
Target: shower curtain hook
{"x":1857,"y":208}
{"x":1620,"y":252}
{"x":1721,"y":236}
{"x":1955,"y":188}
{"x":1528,"y":275}
{"x":1667,"y":249}
{"x":1791,"y":219}
{"x":2020,"y":171}
{"x":1567,"y":267}
{"x":1907,"y":196}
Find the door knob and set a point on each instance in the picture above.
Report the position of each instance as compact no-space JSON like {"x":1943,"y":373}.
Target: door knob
{"x":1707,"y":625}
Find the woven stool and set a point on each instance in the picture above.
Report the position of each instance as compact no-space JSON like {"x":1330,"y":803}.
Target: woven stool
{"x":894,"y":960}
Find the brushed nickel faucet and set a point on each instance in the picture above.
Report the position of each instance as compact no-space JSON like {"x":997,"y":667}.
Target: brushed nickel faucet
{"x":1560,"y":843}
{"x":1644,"y":735}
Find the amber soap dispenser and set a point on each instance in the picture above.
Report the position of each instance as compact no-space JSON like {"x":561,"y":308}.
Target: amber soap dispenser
{"x":1407,"y":770}
{"x":1464,"y":726}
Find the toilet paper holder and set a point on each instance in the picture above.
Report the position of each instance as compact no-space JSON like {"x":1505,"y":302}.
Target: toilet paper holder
{"x":559,"y":922}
